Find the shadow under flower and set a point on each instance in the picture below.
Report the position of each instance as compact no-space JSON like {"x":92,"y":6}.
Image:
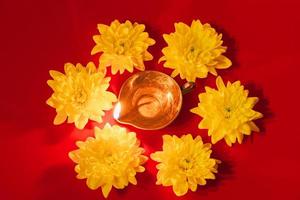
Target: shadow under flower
{"x":261,"y":106}
{"x":225,"y":172}
{"x":231,"y":45}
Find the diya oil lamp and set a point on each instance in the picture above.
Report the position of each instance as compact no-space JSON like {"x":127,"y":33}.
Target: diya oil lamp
{"x":149,"y":100}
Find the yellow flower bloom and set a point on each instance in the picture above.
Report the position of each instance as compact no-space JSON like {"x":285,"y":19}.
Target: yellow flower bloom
{"x":185,"y":163}
{"x":80,"y":94}
{"x":124,"y":46}
{"x":112,"y":158}
{"x":194,"y":50}
{"x":227,"y":112}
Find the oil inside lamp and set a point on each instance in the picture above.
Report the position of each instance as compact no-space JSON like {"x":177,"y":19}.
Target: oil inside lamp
{"x":148,"y":100}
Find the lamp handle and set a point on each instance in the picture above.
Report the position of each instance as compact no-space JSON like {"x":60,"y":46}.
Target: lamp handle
{"x":187,"y":87}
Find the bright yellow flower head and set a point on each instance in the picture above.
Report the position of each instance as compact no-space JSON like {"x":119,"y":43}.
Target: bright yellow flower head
{"x":194,"y":50}
{"x":112,"y":158}
{"x":185,"y":163}
{"x":124,"y":46}
{"x":227,"y":112}
{"x":80,"y":94}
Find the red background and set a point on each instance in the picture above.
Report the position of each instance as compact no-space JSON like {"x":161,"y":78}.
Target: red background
{"x":263,"y":43}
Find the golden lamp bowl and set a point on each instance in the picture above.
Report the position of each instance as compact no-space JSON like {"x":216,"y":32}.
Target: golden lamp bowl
{"x":148,"y":100}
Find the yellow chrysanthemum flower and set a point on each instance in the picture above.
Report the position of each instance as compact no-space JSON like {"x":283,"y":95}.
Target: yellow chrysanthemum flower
{"x":80,"y":94}
{"x":185,"y":163}
{"x":124,"y":46}
{"x":227,"y":112}
{"x":194,"y":50}
{"x":112,"y":158}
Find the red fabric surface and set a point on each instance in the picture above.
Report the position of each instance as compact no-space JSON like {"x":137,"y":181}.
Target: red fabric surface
{"x":263,"y":43}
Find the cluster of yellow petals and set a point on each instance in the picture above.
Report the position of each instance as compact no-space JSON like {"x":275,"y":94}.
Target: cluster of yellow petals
{"x":227,"y":112}
{"x":123,"y":46}
{"x":80,"y":94}
{"x":110,"y":159}
{"x":194,"y":50}
{"x":185,"y":163}
{"x":113,"y":157}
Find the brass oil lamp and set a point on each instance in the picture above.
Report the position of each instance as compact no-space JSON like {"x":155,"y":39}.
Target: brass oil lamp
{"x":149,"y":100}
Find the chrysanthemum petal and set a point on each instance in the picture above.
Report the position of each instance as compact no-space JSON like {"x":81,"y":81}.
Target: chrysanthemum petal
{"x":245,"y":129}
{"x":194,"y":51}
{"x":72,"y":155}
{"x":81,"y":122}
{"x":220,"y":84}
{"x":174,"y":73}
{"x":181,"y":28}
{"x":156,"y":156}
{"x":106,"y":189}
{"x":50,"y":102}
{"x":110,"y":159}
{"x":163,"y":58}
{"x":227,"y":140}
{"x":123,"y":46}
{"x":92,"y":183}
{"x":96,"y":49}
{"x":59,"y":118}
{"x":216,"y":136}
{"x":253,"y":126}
{"x":201,"y":181}
{"x":184,"y":162}
{"x":213,"y":71}
{"x":223,"y":62}
{"x":193,"y":187}
{"x":240,"y":137}
{"x":69,"y":69}
{"x":180,"y":188}
{"x":80,"y":94}
{"x":56,"y":74}
{"x":132,"y":180}
{"x":227,"y":112}
{"x":102,"y":28}
{"x":147,"y":56}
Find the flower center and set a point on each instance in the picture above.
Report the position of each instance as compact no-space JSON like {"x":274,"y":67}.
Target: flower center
{"x":192,"y":54}
{"x":228,"y":112}
{"x":81,"y":97}
{"x":120,"y":47}
{"x":110,"y":160}
{"x":186,"y":164}
{"x":197,"y":55}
